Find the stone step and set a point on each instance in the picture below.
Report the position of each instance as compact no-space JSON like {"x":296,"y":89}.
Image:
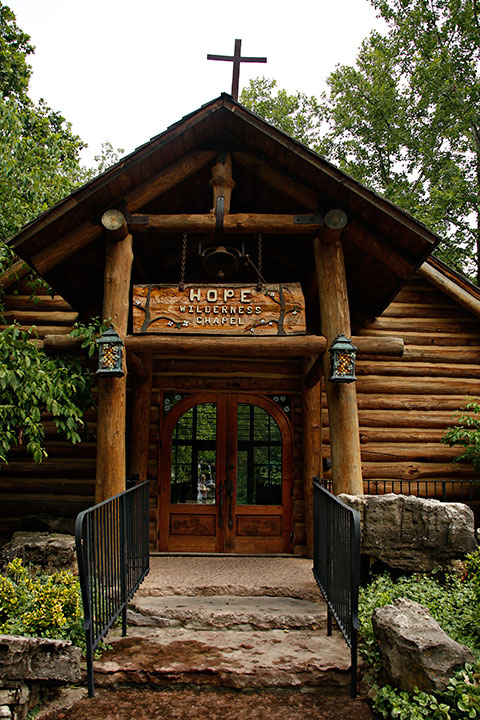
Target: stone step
{"x":227,"y":612}
{"x":243,"y":660}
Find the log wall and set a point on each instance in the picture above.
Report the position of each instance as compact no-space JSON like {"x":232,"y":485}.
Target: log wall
{"x":405,"y":404}
{"x":63,"y":484}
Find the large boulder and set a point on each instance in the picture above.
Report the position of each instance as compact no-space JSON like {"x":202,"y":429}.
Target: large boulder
{"x":49,"y":551}
{"x":38,"y":659}
{"x":411,"y":533}
{"x":416,"y":652}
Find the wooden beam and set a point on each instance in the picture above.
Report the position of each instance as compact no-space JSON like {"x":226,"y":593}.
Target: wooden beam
{"x":167,"y":178}
{"x":140,"y":422}
{"x":288,"y":346}
{"x":111,"y":470}
{"x":283,"y":183}
{"x":312,"y":456}
{"x":454,"y":291}
{"x":236,"y":223}
{"x":222,"y":182}
{"x":65,"y":246}
{"x":114,"y":222}
{"x":15,"y":272}
{"x":394,"y":257}
{"x":342,"y":402}
{"x":87,"y":232}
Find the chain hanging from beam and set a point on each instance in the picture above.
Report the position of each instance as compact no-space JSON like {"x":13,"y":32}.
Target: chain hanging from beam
{"x":181,"y":284}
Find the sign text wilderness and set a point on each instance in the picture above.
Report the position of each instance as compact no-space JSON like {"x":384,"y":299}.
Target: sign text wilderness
{"x":219,"y":310}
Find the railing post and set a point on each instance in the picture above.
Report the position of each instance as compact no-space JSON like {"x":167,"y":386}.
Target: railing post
{"x":107,"y":548}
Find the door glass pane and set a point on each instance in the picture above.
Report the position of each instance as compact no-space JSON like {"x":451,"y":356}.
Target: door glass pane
{"x":259,"y":457}
{"x":193,"y":468}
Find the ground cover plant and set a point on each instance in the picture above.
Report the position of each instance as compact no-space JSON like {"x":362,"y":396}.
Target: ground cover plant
{"x":454,"y":602}
{"x":43,"y":605}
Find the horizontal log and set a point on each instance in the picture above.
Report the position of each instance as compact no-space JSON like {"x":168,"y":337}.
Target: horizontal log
{"x":52,"y":467}
{"x":402,"y":435}
{"x":390,"y":346}
{"x":435,"y":353}
{"x":410,"y":402}
{"x":51,"y":486}
{"x":416,"y":420}
{"x":468,"y":300}
{"x":42,"y":330}
{"x":440,"y":324}
{"x":419,"y":369}
{"x":417,"y":470}
{"x":421,"y":452}
{"x":40,"y":317}
{"x":423,"y":310}
{"x":289,"y":346}
{"x":435,"y":339}
{"x":16,"y":271}
{"x":233,"y":223}
{"x":37,"y":303}
{"x":409,"y":385}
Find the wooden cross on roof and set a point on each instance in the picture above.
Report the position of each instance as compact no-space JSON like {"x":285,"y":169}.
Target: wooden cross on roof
{"x":236,"y":58}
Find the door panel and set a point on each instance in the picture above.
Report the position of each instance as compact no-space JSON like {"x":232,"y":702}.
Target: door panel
{"x":225,"y":475}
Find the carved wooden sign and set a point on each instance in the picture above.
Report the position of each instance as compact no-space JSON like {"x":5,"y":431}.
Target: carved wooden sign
{"x":219,"y":309}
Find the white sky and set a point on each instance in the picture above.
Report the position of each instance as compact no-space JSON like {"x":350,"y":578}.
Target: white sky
{"x":123,"y":70}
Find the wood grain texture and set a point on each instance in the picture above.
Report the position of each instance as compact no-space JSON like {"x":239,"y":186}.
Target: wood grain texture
{"x":227,"y":309}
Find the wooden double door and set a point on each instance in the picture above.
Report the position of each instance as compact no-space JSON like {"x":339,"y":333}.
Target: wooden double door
{"x":225,"y":473}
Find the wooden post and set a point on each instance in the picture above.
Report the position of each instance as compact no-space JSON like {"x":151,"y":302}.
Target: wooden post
{"x":311,"y":405}
{"x":142,"y":400}
{"x":342,"y":400}
{"x":222,"y":182}
{"x":111,"y":471}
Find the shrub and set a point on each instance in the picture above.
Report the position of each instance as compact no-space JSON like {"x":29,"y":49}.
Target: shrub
{"x":466,"y":433}
{"x":46,"y":606}
{"x":454,"y":603}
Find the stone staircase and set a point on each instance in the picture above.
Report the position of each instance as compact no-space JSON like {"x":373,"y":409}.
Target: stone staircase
{"x":243,"y":623}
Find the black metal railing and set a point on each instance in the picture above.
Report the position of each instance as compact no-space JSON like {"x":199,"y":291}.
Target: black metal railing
{"x":336,"y":565}
{"x":464,"y":490}
{"x":113,"y":559}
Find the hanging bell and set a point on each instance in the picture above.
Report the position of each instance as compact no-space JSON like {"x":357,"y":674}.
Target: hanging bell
{"x":220,"y":261}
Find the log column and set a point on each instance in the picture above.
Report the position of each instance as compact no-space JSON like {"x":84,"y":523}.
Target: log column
{"x":312,"y":447}
{"x":335,"y":319}
{"x":111,"y":471}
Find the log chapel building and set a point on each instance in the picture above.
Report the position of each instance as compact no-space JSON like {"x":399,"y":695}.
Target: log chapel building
{"x":229,"y":258}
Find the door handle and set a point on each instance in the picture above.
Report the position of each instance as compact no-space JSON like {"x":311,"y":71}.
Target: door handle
{"x":220,"y":501}
{"x":230,"y":501}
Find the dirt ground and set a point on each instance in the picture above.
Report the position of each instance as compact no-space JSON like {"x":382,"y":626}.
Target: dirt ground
{"x":175,"y":704}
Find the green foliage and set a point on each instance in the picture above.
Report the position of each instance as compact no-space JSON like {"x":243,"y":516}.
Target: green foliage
{"x":14,"y":48}
{"x":89,"y":333}
{"x":405,"y":119}
{"x":472,"y":565}
{"x":32,"y":383}
{"x":297,"y":114}
{"x":453,"y":602}
{"x":466,"y":433}
{"x":45,"y":606}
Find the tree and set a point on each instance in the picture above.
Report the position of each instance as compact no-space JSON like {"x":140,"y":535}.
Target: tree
{"x":406,"y":119}
{"x":39,"y":165}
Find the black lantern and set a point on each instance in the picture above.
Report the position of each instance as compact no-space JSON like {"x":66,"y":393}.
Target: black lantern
{"x":342,"y":360}
{"x":110,"y":354}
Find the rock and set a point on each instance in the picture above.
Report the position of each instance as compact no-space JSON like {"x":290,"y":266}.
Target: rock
{"x":416,"y":652}
{"x":411,"y":533}
{"x":50,"y":551}
{"x":48,"y":523}
{"x":38,"y":659}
